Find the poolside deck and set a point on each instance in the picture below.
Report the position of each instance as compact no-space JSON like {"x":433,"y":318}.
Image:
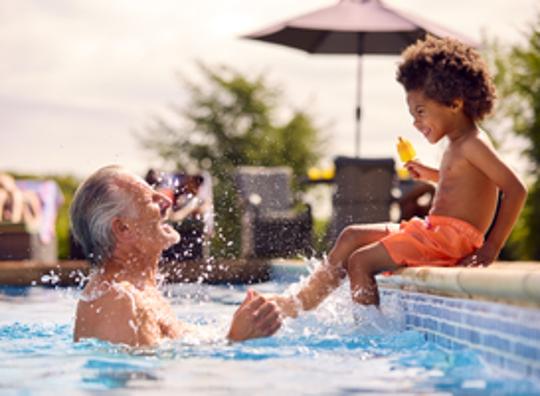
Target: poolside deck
{"x":73,"y":272}
{"x":512,"y":282}
{"x":32,"y":272}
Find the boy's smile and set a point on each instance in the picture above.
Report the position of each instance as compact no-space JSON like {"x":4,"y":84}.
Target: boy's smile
{"x":430,"y":117}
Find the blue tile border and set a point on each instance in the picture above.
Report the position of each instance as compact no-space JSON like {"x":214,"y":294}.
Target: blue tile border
{"x":505,"y":336}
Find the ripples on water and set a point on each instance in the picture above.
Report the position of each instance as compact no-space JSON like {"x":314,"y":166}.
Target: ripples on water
{"x":325,"y":352}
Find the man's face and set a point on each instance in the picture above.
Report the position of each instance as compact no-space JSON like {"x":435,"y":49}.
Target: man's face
{"x":430,"y":117}
{"x":148,"y":216}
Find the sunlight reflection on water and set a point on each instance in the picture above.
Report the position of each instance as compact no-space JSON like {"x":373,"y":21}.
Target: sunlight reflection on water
{"x":322,"y":352}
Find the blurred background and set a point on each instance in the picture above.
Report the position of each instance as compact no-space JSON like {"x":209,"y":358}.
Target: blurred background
{"x":85,"y":84}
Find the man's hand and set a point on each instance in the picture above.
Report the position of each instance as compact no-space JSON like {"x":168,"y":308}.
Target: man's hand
{"x":256,"y":317}
{"x":480,"y":258}
{"x":286,"y":304}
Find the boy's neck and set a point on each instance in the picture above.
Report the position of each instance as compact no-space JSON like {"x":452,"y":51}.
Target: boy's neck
{"x":463,"y":126}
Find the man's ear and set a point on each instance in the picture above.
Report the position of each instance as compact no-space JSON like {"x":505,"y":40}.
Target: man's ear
{"x":120,"y":229}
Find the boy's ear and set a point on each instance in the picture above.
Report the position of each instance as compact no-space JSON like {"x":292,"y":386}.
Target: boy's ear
{"x":457,"y":104}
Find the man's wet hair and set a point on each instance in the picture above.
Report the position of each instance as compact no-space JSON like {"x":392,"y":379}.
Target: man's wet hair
{"x":97,"y":201}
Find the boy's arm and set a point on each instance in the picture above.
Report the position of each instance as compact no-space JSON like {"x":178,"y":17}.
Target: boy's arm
{"x":513,"y":198}
{"x":422,"y":172}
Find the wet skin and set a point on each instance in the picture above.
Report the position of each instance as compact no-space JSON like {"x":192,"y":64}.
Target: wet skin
{"x":470,"y":176}
{"x":121,"y":302}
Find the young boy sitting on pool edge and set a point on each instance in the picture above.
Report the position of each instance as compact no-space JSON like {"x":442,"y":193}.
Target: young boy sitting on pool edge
{"x":448,"y":91}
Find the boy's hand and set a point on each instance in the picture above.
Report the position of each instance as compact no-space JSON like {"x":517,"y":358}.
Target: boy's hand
{"x":256,"y":317}
{"x":286,"y":304}
{"x":480,"y":258}
{"x":417,"y":170}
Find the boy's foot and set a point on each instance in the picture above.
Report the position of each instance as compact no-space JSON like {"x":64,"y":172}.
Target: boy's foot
{"x":368,"y":319}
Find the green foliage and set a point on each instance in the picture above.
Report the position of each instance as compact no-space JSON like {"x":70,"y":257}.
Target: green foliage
{"x":68,"y":185}
{"x":517,"y":76}
{"x":320,"y":231}
{"x":231,"y":120}
{"x":525,"y":240}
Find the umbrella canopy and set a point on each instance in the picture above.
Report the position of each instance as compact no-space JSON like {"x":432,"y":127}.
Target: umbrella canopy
{"x":353,"y":27}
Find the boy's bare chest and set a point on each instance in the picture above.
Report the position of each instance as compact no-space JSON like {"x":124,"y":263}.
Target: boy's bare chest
{"x":459,"y":178}
{"x":453,"y":165}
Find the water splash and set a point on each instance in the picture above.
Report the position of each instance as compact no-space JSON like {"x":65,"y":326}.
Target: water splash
{"x":51,"y":278}
{"x":323,"y":348}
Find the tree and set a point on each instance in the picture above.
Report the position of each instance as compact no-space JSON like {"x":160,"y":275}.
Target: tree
{"x":231,"y":120}
{"x":517,"y":76}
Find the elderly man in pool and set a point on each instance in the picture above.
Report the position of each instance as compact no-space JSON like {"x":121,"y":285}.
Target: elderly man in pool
{"x":120,"y":222}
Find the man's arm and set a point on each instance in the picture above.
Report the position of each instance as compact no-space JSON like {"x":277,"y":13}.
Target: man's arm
{"x":513,"y":192}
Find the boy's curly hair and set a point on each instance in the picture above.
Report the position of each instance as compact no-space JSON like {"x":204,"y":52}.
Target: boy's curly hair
{"x":445,"y":70}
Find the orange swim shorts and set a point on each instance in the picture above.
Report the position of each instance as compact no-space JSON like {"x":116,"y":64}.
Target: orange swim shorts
{"x":435,"y":240}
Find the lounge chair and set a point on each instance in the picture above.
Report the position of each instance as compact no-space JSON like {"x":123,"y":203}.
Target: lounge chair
{"x":33,"y":241}
{"x":271,"y":227}
{"x":363,"y":192}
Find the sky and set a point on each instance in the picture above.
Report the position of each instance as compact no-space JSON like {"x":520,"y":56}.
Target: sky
{"x":79,"y":78}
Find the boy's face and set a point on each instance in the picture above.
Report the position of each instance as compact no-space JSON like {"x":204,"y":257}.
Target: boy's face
{"x":431,"y":118}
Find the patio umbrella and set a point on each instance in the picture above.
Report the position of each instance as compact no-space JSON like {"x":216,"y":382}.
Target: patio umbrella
{"x":353,"y":27}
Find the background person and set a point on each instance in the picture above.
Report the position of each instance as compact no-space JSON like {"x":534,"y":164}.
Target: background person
{"x":18,"y":205}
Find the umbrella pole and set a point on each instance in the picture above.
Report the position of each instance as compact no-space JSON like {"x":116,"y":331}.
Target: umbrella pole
{"x":358,"y":108}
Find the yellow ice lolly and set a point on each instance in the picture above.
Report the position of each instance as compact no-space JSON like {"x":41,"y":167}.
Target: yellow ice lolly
{"x":405,"y":150}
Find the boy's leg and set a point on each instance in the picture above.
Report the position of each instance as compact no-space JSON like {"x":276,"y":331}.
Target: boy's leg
{"x":354,"y":237}
{"x":362,"y":267}
{"x":327,"y":277}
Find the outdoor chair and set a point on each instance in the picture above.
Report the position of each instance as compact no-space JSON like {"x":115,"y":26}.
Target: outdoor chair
{"x":271,"y":227}
{"x":363,"y":192}
{"x":24,"y":241}
{"x":415,"y":198}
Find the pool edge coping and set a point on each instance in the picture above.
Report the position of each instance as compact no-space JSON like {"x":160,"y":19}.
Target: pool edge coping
{"x":515,"y":283}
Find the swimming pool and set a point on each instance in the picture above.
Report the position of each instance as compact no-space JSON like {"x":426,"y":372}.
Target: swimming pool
{"x":325,"y":352}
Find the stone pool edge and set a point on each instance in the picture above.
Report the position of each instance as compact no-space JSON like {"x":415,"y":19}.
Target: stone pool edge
{"x":511,"y":282}
{"x":516,"y":283}
{"x":494,"y":311}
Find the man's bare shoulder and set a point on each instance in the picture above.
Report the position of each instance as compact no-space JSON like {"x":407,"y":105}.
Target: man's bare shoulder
{"x":110,"y":312}
{"x":119,"y":293}
{"x":111,"y":297}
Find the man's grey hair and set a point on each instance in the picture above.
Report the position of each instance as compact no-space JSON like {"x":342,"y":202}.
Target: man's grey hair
{"x":97,"y":201}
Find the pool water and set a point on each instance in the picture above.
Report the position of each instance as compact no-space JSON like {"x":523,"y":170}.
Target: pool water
{"x":326,"y":352}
